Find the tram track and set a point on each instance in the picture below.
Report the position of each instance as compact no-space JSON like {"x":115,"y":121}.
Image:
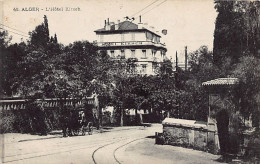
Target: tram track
{"x":91,"y":147}
{"x":65,"y":148}
{"x":54,"y":151}
{"x":115,"y":149}
{"x":94,"y":152}
{"x":61,"y":147}
{"x":114,"y":153}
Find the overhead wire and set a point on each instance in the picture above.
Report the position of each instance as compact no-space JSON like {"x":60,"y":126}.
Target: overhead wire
{"x":155,"y":7}
{"x":140,"y":11}
{"x":14,"y":29}
{"x":14,"y":32}
{"x":145,"y":8}
{"x":148,"y":10}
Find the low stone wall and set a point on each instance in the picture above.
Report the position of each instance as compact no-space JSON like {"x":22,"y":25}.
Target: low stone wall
{"x":35,"y":116}
{"x":189,"y":133}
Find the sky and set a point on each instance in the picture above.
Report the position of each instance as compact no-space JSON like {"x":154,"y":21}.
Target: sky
{"x":189,"y":23}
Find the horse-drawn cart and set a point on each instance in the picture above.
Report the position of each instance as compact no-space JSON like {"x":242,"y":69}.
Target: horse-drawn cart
{"x":77,"y":124}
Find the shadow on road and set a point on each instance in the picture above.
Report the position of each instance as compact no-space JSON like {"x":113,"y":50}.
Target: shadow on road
{"x":40,"y":139}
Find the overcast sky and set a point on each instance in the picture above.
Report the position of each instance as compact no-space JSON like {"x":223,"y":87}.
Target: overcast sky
{"x":188,"y":22}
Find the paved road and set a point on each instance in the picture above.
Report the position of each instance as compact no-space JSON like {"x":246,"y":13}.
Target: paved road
{"x":117,"y":145}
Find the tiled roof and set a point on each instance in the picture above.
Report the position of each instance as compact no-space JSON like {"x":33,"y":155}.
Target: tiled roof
{"x":221,"y":81}
{"x":126,"y":25}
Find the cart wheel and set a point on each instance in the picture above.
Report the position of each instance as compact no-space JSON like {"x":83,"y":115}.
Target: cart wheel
{"x":75,"y":132}
{"x":65,"y":132}
{"x":90,"y":130}
{"x":83,"y":131}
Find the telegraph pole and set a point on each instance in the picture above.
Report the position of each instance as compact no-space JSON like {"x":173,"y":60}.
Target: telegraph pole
{"x":176,"y":61}
{"x":186,"y":58}
{"x":177,"y":86}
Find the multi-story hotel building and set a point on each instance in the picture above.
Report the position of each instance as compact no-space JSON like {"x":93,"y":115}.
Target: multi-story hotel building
{"x":135,"y":42}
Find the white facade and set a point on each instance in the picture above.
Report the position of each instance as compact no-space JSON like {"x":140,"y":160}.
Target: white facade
{"x":131,"y":41}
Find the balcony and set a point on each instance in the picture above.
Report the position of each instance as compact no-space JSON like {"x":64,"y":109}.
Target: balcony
{"x":130,"y":43}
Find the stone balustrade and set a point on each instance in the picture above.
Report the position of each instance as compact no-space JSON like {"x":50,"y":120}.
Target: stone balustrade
{"x":16,"y":104}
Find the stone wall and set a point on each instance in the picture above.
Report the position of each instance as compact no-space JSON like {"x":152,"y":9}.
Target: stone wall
{"x":190,"y":133}
{"x":31,"y":116}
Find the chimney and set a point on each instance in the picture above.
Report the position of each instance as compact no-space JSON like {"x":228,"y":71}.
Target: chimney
{"x":107,"y":27}
{"x":140,"y":24}
{"x":117,"y":25}
{"x":105,"y":23}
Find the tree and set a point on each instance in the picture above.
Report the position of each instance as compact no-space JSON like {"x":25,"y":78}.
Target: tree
{"x":166,"y":67}
{"x":66,"y":74}
{"x":251,"y":18}
{"x":55,"y":40}
{"x":3,"y":62}
{"x":248,"y":91}
{"x":4,"y":40}
{"x":237,"y":31}
{"x":202,"y":67}
{"x":237,"y":48}
{"x":228,"y":35}
{"x":190,"y":96}
{"x":11,"y":55}
{"x":39,"y":38}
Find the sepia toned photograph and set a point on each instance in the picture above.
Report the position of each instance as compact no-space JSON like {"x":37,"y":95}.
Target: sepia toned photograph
{"x":129,"y":81}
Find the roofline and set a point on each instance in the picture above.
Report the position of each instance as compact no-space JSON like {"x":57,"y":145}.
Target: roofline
{"x":118,"y":31}
{"x":225,"y":82}
{"x":132,"y":47}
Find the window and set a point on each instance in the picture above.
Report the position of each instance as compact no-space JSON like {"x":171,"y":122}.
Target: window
{"x":122,"y":37}
{"x":163,"y":54}
{"x":101,"y":38}
{"x":149,"y":36}
{"x":112,"y":54}
{"x":144,"y":68}
{"x":132,"y":69}
{"x":153,"y":53}
{"x":133,"y":36}
{"x":154,"y":67}
{"x":132,"y":53}
{"x":143,"y":53}
{"x":123,"y":54}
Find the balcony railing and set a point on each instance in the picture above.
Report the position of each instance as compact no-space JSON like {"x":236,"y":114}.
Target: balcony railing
{"x":129,"y":43}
